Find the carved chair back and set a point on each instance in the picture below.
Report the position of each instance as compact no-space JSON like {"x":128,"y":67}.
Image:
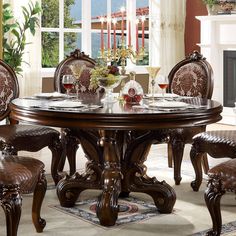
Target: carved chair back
{"x":192,"y":77}
{"x":75,"y":58}
{"x":9,"y":88}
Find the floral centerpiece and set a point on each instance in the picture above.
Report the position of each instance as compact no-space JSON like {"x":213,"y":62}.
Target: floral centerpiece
{"x":104,"y":76}
{"x":107,"y":77}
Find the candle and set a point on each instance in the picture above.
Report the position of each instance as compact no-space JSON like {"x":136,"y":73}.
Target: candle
{"x":114,"y":33}
{"x":143,"y":19}
{"x":129,"y":41}
{"x":137,"y":21}
{"x":102,"y":36}
{"x":122,"y":24}
{"x":108,"y":33}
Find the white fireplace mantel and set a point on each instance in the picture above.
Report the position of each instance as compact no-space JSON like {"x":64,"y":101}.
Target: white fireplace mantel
{"x":218,"y":33}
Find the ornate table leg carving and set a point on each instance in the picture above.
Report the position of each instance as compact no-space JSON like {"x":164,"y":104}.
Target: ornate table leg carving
{"x":107,"y":206}
{"x":196,"y":158}
{"x":69,"y":188}
{"x":135,"y":177}
{"x":11,"y":202}
{"x":39,"y":193}
{"x":213,"y":196}
{"x":56,"y":149}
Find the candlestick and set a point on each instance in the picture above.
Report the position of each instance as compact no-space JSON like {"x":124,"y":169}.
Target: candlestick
{"x":108,"y":33}
{"x":129,"y":41}
{"x":143,"y":19}
{"x":102,"y":36}
{"x":122,"y":23}
{"x":114,"y":33}
{"x":137,"y":22}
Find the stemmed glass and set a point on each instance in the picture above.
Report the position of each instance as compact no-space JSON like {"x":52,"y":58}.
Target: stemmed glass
{"x":153,"y":70}
{"x":163,"y":83}
{"x":68,"y":83}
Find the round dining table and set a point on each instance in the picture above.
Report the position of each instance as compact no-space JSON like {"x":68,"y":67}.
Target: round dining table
{"x":116,"y":139}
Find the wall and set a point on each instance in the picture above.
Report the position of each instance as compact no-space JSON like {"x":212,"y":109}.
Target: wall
{"x":192,"y":25}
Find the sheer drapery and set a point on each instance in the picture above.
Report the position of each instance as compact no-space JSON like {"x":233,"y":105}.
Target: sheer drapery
{"x":167,"y":18}
{"x":30,"y":82}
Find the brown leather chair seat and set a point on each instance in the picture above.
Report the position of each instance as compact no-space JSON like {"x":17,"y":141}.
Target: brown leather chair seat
{"x":21,"y":175}
{"x":18,"y":137}
{"x":218,"y":144}
{"x":39,"y":137}
{"x":222,"y":177}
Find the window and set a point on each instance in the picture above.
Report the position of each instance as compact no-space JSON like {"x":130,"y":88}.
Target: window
{"x":70,"y":24}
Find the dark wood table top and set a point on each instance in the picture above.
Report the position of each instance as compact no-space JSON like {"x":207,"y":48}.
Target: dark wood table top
{"x":118,"y":115}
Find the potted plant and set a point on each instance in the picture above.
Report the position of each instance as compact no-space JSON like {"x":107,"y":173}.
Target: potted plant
{"x":14,"y":33}
{"x":210,"y":4}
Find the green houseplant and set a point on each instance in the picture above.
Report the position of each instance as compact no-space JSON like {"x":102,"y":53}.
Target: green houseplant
{"x":14,"y":33}
{"x":210,"y":4}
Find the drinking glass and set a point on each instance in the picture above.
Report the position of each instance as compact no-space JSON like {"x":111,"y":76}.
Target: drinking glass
{"x":163,"y":83}
{"x":68,"y":83}
{"x":153,"y":70}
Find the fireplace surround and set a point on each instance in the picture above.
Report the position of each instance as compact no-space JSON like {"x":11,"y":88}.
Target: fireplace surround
{"x":218,"y":45}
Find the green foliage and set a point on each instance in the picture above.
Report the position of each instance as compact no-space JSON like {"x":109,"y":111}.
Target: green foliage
{"x":210,"y":2}
{"x":14,"y":48}
{"x":50,"y":40}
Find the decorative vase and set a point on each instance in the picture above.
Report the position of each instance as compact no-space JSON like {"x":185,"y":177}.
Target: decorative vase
{"x":109,"y":84}
{"x":211,"y":10}
{"x":91,"y":96}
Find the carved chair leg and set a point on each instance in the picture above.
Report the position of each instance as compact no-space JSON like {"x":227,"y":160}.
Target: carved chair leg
{"x":196,"y":158}
{"x":56,"y":149}
{"x":11,"y":202}
{"x":170,"y":155}
{"x":205,"y":163}
{"x":213,"y":196}
{"x":39,"y":193}
{"x":177,"y":151}
{"x":71,"y":149}
{"x":63,"y":155}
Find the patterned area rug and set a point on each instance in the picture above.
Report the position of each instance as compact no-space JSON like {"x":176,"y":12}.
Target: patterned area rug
{"x":228,"y":229}
{"x":131,"y":210}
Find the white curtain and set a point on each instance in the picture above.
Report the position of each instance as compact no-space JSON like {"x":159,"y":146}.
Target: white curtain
{"x":30,"y":82}
{"x":167,"y":24}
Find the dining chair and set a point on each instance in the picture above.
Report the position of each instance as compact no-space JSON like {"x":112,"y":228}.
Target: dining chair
{"x":16,"y":137}
{"x":76,"y":58}
{"x":192,"y":77}
{"x":221,"y":178}
{"x":21,"y":175}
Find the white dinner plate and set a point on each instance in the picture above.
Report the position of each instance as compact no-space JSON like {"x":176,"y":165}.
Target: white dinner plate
{"x":166,"y":95}
{"x":50,"y":95}
{"x":66,"y":104}
{"x":169,"y":104}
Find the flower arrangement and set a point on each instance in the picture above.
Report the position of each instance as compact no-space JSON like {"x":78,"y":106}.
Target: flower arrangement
{"x":110,"y":75}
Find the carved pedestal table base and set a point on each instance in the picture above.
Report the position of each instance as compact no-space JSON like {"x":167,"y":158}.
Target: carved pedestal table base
{"x":115,"y":165}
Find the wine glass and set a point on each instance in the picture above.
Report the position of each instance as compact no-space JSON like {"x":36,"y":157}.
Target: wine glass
{"x":153,"y":70}
{"x":163,"y":83}
{"x":68,"y":83}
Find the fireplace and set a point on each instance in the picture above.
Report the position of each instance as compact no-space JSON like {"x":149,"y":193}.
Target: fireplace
{"x":229,"y":75}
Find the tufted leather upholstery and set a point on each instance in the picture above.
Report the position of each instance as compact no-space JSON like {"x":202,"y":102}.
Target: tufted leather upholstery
{"x":17,"y":134}
{"x":226,"y":173}
{"x":192,"y":77}
{"x":222,"y":177}
{"x":21,"y":175}
{"x":14,"y":138}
